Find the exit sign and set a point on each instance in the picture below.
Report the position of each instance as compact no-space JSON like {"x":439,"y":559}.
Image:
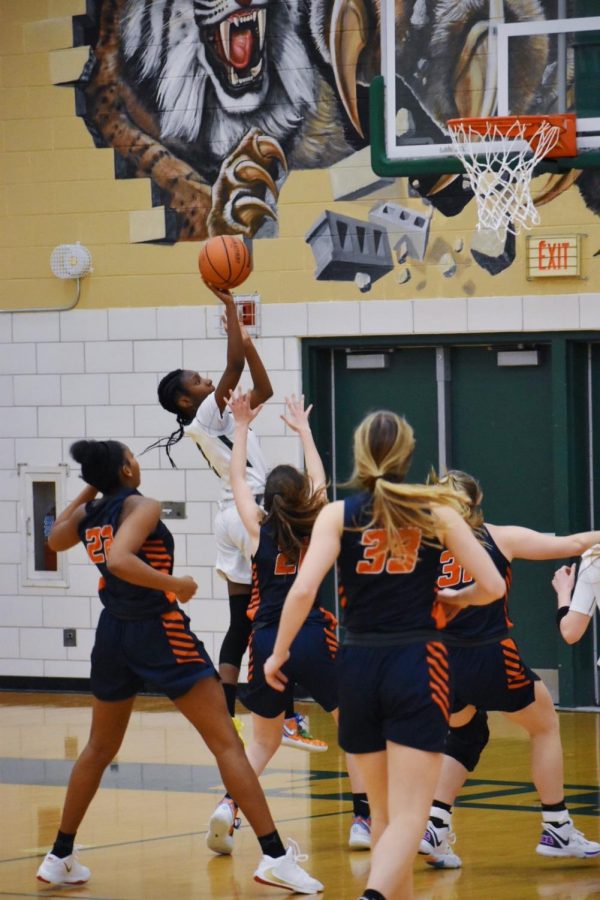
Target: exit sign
{"x":554,"y":256}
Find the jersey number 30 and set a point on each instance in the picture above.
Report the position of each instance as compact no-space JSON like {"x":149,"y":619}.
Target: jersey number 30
{"x":98,"y":541}
{"x":377,"y":556}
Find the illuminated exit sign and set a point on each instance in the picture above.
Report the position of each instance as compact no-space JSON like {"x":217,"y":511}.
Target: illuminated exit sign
{"x":554,"y":256}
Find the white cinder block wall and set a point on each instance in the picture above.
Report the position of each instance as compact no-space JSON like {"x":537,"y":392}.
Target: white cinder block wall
{"x":94,"y":373}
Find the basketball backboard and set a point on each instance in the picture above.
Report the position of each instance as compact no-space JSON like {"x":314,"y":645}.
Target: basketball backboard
{"x":436,"y":66}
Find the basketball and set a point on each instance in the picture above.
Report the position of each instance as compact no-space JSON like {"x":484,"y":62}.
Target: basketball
{"x":224,"y":262}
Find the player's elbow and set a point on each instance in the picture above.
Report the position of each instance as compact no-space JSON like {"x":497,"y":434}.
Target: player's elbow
{"x":116,"y":563}
{"x":54,"y":543}
{"x":568,"y":637}
{"x":261,"y":395}
{"x":301,"y":595}
{"x":493,"y":586}
{"x":571,"y":631}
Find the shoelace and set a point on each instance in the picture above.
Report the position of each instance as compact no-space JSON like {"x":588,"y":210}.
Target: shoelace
{"x":296,"y":855}
{"x":301,"y":726}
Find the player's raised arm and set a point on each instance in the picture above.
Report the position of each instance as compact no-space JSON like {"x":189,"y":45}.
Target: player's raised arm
{"x":235,"y":361}
{"x":297,"y":420}
{"x":250,"y":513}
{"x":261,"y":389}
{"x":63,"y":533}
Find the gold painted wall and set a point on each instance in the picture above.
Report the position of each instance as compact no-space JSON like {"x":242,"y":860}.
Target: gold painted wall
{"x":58,"y":188}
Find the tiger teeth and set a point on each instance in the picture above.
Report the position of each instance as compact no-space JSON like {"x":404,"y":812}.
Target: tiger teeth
{"x":262,"y":26}
{"x":235,"y":80}
{"x":256,"y":17}
{"x":224,"y":29}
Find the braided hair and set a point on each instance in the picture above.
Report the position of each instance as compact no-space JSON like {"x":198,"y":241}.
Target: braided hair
{"x":170,"y":389}
{"x":101,"y":463}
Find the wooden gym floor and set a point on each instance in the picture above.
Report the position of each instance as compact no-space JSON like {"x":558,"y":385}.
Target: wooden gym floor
{"x":143,"y":836}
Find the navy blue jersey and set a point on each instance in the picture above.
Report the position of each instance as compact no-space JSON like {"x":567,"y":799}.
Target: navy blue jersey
{"x":478,"y":622}
{"x":124,"y":600}
{"x":272,"y":577}
{"x":381,"y":592}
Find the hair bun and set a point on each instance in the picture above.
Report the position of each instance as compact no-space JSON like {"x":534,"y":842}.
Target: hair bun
{"x":82,"y":451}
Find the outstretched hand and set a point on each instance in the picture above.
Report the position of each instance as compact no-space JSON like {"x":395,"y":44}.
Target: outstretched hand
{"x":297,"y":416}
{"x":239,"y":404}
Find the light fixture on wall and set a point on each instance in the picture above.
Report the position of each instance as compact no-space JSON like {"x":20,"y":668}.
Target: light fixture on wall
{"x":71,"y":262}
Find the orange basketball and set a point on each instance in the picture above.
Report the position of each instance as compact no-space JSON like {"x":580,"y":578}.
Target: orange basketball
{"x":224,"y":262}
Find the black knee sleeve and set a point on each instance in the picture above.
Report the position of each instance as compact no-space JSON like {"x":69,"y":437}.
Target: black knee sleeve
{"x":236,"y":640}
{"x":466,"y":744}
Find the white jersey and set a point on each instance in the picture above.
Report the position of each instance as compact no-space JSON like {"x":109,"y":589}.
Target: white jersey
{"x":586,"y":595}
{"x":213,"y":432}
{"x":587,"y":588}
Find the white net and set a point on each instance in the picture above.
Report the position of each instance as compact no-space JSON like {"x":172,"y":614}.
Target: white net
{"x":499,"y":163}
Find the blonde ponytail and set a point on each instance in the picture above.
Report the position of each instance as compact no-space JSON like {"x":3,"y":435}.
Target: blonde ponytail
{"x":383,"y":448}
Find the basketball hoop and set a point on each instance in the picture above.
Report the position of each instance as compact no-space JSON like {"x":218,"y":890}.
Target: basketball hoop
{"x":500,"y":154}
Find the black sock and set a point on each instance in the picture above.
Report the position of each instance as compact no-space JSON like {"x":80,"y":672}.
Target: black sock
{"x":435,"y":820}
{"x":63,"y":845}
{"x":440,"y":805}
{"x":371,"y":894}
{"x":230,"y":692}
{"x":554,"y":807}
{"x":360,"y":806}
{"x":271,"y":845}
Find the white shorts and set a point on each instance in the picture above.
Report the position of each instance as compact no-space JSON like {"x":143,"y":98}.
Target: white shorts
{"x":233,"y":546}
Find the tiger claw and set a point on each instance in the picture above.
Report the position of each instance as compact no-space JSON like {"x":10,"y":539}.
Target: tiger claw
{"x":250,"y":211}
{"x":270,"y":149}
{"x":247,"y":171}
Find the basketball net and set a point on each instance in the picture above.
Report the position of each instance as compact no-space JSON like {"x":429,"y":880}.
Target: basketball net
{"x":499,"y":163}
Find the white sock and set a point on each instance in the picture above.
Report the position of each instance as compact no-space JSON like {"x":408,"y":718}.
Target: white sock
{"x":436,"y":812}
{"x":557,"y":819}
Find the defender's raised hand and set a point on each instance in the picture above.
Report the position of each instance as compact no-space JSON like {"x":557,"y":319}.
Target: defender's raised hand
{"x":297,"y":415}
{"x":239,"y":404}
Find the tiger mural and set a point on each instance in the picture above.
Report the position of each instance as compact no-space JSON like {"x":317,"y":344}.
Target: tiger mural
{"x":216,"y":100}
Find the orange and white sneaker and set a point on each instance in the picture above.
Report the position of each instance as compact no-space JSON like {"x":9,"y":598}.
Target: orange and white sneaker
{"x":221,"y":827}
{"x":296,"y":734}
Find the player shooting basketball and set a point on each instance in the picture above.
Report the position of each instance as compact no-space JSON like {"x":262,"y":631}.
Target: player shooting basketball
{"x":202,"y":414}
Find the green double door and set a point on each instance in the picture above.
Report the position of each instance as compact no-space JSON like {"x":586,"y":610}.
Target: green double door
{"x":522,"y":430}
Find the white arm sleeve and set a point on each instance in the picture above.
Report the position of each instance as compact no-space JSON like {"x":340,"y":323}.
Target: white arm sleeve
{"x":587,"y":588}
